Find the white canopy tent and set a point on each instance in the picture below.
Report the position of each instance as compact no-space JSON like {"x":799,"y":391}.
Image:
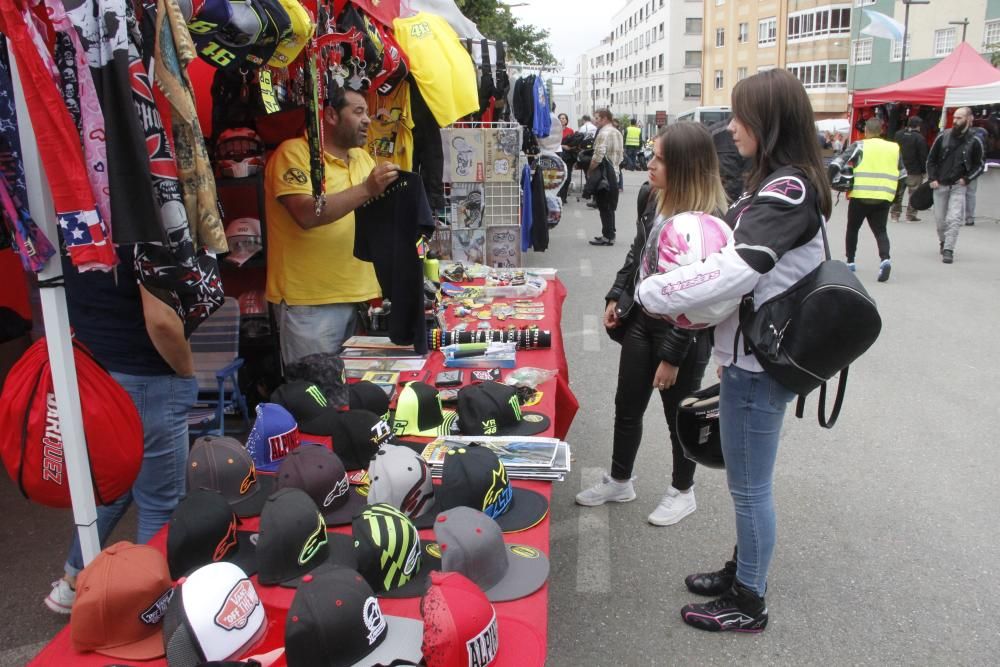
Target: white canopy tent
{"x":970,"y":96}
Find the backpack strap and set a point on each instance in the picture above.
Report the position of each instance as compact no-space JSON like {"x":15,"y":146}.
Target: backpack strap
{"x":838,"y":402}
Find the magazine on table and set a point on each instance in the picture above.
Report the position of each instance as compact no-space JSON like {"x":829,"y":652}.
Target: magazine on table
{"x":383,"y":365}
{"x":515,"y":452}
{"x":379,"y":353}
{"x":375,"y":343}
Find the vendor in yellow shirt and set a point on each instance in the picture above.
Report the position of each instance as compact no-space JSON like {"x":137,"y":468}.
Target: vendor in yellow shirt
{"x":312,"y":275}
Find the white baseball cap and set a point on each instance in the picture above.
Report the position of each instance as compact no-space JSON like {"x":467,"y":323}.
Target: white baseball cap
{"x":243,"y":235}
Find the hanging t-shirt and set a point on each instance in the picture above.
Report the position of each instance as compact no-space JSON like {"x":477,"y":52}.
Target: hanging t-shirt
{"x":309,"y":267}
{"x":442,"y":68}
{"x":388,"y":228}
{"x":542,"y":119}
{"x":390,"y":135}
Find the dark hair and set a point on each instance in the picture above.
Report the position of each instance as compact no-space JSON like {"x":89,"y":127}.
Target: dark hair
{"x":774,"y":106}
{"x":336,"y":97}
{"x":914,"y":122}
{"x":873,"y":126}
{"x":604,"y":113}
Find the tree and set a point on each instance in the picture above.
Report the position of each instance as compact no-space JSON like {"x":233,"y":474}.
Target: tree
{"x":525,"y":44}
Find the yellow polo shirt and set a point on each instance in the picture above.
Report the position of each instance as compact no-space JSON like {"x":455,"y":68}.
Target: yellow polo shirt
{"x":315,"y":266}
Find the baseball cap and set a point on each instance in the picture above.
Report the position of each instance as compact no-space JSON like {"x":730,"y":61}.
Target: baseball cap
{"x":335,"y":619}
{"x":274,"y":434}
{"x":365,"y":395}
{"x":293,"y":541}
{"x":400,"y":477}
{"x":324,"y":369}
{"x":243,"y":236}
{"x":473,"y":476}
{"x":121,"y":597}
{"x":319,"y":472}
{"x":462,"y":628}
{"x":299,"y":34}
{"x":356,"y":435}
{"x":472,"y":543}
{"x":304,"y":400}
{"x":389,"y":553}
{"x":419,"y":412}
{"x":203,"y":530}
{"x":492,"y":408}
{"x":224,"y":465}
{"x":215,"y":614}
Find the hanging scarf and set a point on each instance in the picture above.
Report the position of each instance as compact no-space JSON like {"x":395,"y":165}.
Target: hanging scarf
{"x":84,"y":230}
{"x":174,"y":50}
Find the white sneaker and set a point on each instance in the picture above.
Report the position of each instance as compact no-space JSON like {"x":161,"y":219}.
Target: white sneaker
{"x":674,"y":507}
{"x":608,"y":490}
{"x":60,"y":598}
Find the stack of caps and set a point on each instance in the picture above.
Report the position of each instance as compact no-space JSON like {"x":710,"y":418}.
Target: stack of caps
{"x":486,"y":408}
{"x":224,"y":465}
{"x":274,"y":434}
{"x":121,"y":597}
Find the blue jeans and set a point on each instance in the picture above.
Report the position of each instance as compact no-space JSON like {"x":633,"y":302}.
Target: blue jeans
{"x":751,"y":409}
{"x":306,"y":330}
{"x":163,"y":402}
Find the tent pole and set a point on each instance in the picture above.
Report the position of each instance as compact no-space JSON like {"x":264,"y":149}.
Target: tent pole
{"x":57,"y":335}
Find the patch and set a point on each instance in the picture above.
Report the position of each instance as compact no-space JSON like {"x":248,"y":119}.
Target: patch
{"x":315,"y":541}
{"x":227,"y":543}
{"x":533,"y":418}
{"x":295,"y":176}
{"x":524,"y":551}
{"x":374,"y":621}
{"x":788,"y":189}
{"x":155,"y":613}
{"x":482,"y":649}
{"x":238,"y":607}
{"x":338,"y":490}
{"x":433,"y":549}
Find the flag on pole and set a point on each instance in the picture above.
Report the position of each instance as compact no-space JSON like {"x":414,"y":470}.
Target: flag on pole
{"x":883,"y":26}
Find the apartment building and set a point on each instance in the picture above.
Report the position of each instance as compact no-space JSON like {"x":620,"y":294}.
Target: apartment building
{"x":934,"y":32}
{"x":810,"y":38}
{"x":649,"y":66}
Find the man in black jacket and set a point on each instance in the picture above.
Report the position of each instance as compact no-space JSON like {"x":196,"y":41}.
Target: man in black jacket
{"x":955,"y":160}
{"x":913,"y":150}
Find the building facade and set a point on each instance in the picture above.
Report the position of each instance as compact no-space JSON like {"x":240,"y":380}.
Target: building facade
{"x":810,"y":38}
{"x":649,"y":65}
{"x":930,"y":37}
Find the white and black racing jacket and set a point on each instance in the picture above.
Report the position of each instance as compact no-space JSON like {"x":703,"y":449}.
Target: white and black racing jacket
{"x":777,"y":241}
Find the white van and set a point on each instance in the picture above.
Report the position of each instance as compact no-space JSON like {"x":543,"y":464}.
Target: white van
{"x":707,"y":115}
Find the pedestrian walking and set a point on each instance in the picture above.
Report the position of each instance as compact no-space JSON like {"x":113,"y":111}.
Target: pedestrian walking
{"x":913,"y":150}
{"x":955,"y":160}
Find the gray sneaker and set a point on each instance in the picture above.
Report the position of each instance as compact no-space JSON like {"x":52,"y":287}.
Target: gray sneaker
{"x":608,"y":490}
{"x":60,"y":599}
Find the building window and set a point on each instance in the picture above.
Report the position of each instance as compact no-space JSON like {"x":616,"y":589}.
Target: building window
{"x":744,"y":33}
{"x":897,"y":49}
{"x":944,"y":42}
{"x":991,"y":35}
{"x":813,"y":23}
{"x":691,"y":27}
{"x":767,"y":32}
{"x":741,"y":73}
{"x":692,"y":59}
{"x":861,"y":51}
{"x":692,"y":91}
{"x":719,"y":2}
{"x":661,"y":29}
{"x":660,"y":62}
{"x":720,"y":37}
{"x":820,"y":75}
{"x":719,"y":82}
{"x":660,"y":91}
{"x":862,"y":3}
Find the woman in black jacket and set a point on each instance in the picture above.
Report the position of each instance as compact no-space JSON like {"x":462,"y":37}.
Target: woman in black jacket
{"x":683,"y":176}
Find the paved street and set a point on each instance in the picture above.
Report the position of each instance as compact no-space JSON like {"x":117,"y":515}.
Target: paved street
{"x":888,"y":532}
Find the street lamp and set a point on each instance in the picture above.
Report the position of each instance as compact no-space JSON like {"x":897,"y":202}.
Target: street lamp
{"x":964,"y":23}
{"x":906,"y":29}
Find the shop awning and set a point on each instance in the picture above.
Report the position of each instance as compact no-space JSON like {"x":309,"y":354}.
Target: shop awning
{"x":970,"y":96}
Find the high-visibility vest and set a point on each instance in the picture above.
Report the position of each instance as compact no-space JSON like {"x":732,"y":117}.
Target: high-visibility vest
{"x":633,"y":136}
{"x":878,"y":174}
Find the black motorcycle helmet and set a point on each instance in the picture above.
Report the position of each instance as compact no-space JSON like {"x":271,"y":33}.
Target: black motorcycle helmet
{"x":698,"y":427}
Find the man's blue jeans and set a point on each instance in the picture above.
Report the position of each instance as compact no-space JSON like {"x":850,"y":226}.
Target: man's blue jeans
{"x":163,"y":402}
{"x":751,"y":410}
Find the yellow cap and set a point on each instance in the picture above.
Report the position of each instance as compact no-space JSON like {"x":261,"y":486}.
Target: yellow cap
{"x":289,"y":48}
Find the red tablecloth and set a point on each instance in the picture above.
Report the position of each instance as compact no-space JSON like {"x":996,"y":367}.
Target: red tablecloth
{"x":557,"y":402}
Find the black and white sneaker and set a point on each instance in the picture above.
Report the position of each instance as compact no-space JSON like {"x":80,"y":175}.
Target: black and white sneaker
{"x":738,"y":610}
{"x":712,"y":584}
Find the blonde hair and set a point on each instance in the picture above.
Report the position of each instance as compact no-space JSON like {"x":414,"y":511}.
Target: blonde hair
{"x":692,"y":171}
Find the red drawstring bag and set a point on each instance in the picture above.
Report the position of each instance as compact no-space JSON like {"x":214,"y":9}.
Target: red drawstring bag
{"x":30,"y":440}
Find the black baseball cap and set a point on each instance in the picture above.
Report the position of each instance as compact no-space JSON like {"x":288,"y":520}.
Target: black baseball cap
{"x":320,"y":473}
{"x":389,"y":553}
{"x":493,"y":408}
{"x":203,"y":530}
{"x":335,"y":619}
{"x":419,"y":412}
{"x":369,"y":396}
{"x":473,"y":476}
{"x":356,"y":435}
{"x":224,"y":465}
{"x":293,"y":541}
{"x":303,"y":399}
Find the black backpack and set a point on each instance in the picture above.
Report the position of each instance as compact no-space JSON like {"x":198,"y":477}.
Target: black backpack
{"x":817,"y":327}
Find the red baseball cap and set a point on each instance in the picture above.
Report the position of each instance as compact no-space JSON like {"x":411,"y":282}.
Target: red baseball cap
{"x":462,"y":628}
{"x":121,"y":598}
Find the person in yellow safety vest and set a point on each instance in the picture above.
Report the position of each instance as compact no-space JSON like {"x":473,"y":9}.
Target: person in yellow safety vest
{"x":879,"y":179}
{"x":633,"y":141}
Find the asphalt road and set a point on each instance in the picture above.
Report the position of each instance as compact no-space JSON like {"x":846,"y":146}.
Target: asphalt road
{"x":888,"y":538}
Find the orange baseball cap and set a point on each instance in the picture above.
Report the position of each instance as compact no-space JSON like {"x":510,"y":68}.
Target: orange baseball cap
{"x":121,"y":598}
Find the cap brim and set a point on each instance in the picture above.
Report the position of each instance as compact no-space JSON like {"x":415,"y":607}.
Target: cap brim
{"x":426,"y":520}
{"x":342,"y":554}
{"x":421,"y":581}
{"x":145,"y":649}
{"x":527,"y":508}
{"x":239,"y":258}
{"x":525,"y":574}
{"x":253,"y":504}
{"x":532,"y":423}
{"x":403,"y":641}
{"x":519,"y":643}
{"x":342,"y":515}
{"x":246,"y":556}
